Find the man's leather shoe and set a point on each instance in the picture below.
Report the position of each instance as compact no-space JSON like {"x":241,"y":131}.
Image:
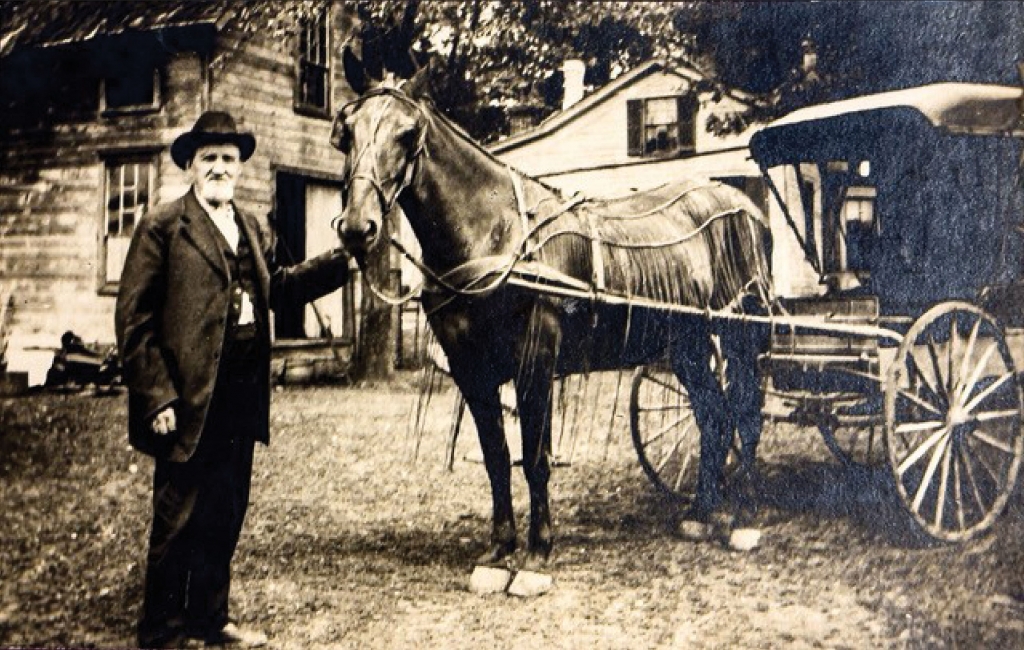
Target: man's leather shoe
{"x":234,"y":636}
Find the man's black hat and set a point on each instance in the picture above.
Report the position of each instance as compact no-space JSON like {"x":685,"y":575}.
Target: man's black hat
{"x":212,"y":127}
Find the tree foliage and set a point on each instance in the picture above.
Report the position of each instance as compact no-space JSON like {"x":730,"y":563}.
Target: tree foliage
{"x":490,"y":55}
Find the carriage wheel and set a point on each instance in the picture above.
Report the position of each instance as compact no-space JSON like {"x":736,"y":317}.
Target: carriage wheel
{"x":852,"y":430}
{"x":665,"y":432}
{"x":953,"y":421}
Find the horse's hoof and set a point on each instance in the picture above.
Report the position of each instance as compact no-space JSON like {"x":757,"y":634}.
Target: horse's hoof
{"x":744,"y":539}
{"x":698,"y":514}
{"x":694,"y":531}
{"x":746,"y":515}
{"x":496,"y":554}
{"x":528,"y":584}
{"x":539,"y":551}
{"x":489,"y":580}
{"x":536,"y":559}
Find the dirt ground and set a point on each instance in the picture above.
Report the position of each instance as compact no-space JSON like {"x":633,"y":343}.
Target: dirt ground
{"x":354,"y":540}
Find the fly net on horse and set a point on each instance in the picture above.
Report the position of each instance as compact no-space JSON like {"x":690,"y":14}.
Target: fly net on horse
{"x":692,"y":243}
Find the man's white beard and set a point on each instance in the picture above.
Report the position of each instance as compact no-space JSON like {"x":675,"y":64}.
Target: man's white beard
{"x":217,"y":192}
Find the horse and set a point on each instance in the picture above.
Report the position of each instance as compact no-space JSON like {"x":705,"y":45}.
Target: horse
{"x":494,"y":240}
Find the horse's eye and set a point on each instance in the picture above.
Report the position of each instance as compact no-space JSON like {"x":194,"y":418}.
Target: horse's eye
{"x":341,"y":135}
{"x":407,"y":138}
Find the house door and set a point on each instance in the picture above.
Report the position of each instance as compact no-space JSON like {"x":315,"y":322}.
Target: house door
{"x":303,"y":211}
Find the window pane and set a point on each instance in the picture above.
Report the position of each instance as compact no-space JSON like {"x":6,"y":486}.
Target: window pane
{"x":313,"y":88}
{"x":127,"y":194}
{"x":130,"y":88}
{"x":662,"y":111}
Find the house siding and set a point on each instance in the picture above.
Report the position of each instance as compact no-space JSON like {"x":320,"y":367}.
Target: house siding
{"x":51,"y":211}
{"x":52,"y":180}
{"x":602,"y":132}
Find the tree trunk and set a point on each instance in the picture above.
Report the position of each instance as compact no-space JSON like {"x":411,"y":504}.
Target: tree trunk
{"x":375,"y":350}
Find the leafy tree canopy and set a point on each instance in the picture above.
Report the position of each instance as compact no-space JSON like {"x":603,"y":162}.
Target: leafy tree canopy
{"x":492,"y":55}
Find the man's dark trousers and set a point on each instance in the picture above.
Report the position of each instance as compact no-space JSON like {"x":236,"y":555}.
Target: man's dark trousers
{"x":198,"y":510}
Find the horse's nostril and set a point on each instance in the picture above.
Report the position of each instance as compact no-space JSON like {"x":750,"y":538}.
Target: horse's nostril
{"x":371,"y":230}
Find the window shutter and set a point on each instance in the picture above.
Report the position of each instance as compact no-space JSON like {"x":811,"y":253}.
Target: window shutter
{"x":686,"y":107}
{"x":635,"y":127}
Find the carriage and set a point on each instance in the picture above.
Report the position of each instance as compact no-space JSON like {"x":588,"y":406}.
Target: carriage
{"x":903,"y":347}
{"x":906,"y":207}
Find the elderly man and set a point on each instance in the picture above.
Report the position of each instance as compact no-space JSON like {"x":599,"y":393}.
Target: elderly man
{"x":193,"y":331}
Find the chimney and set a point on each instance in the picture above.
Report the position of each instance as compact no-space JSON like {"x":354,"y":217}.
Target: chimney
{"x":572,"y":87}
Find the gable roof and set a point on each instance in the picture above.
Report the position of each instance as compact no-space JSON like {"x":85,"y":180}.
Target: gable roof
{"x":49,"y":23}
{"x":561,"y":118}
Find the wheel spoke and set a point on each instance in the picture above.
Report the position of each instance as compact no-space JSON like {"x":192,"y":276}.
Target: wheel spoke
{"x":667,"y":456}
{"x":667,"y":428}
{"x":682,"y":472}
{"x":958,"y":489}
{"x":965,"y":360}
{"x":671,"y":384}
{"x":992,"y":442}
{"x":943,"y":485}
{"x":972,"y":454}
{"x":917,"y":427}
{"x":964,"y":391}
{"x":989,"y":416}
{"x":975,"y":491}
{"x":662,"y":409}
{"x":920,"y":401}
{"x":916,"y":455}
{"x":929,"y":471}
{"x":991,"y":388}
{"x":933,"y":354}
{"x":954,"y":338}
{"x":927,"y":380}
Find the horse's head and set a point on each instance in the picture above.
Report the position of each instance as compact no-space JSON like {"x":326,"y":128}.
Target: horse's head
{"x":382,"y":136}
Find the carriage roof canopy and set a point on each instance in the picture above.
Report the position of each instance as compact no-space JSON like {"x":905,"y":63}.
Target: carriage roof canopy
{"x":854,"y":129}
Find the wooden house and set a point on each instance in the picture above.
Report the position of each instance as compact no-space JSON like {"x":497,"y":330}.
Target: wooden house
{"x":93,"y":93}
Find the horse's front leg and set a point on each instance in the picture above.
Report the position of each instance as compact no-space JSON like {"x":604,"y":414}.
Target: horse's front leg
{"x":485,"y":405}
{"x":534,"y":384}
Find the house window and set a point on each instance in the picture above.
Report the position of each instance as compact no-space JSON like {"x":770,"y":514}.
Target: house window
{"x":128,"y":187}
{"x":314,"y":82}
{"x":131,"y":90}
{"x":661,"y":126}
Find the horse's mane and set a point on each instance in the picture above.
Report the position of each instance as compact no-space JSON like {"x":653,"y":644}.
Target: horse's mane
{"x":431,"y":110}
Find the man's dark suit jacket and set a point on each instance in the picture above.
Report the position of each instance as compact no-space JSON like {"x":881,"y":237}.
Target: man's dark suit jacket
{"x":172,"y":311}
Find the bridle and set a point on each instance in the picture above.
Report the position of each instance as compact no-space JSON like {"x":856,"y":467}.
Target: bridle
{"x":373,"y":177}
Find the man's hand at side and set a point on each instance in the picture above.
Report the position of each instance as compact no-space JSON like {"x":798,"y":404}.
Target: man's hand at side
{"x":164,"y":422}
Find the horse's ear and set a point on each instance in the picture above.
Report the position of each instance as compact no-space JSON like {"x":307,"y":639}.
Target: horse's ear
{"x":419,"y":84}
{"x":355,"y":72}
